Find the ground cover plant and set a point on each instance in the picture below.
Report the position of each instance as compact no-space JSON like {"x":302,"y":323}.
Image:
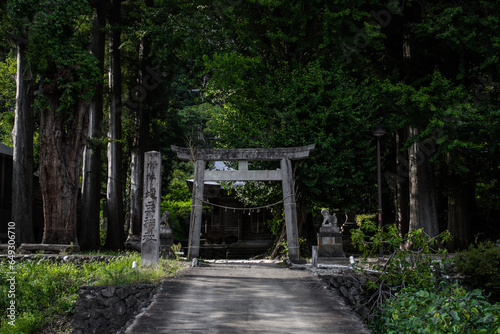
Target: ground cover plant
{"x":45,"y":290}
{"x":445,"y":309}
{"x":480,"y":266}
{"x":413,"y":294}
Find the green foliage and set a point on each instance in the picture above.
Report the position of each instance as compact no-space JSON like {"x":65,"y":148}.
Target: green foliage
{"x":487,"y":196}
{"x":177,"y":201}
{"x":303,"y":89}
{"x":409,"y":261}
{"x":304,"y":247}
{"x":7,"y":98}
{"x":277,"y":113}
{"x":257,"y":193}
{"x":8,"y":69}
{"x":44,"y":289}
{"x":480,"y":266}
{"x":411,"y":296}
{"x":367,"y":219}
{"x":58,"y":39}
{"x":178,"y":189}
{"x":6,"y":126}
{"x":283,"y":248}
{"x":449,"y":309}
{"x":194,"y":119}
{"x":275,"y":73}
{"x":176,"y":248}
{"x":120,"y":272}
{"x":231,"y":69}
{"x":179,"y":217}
{"x":36,"y":284}
{"x":276,"y":221}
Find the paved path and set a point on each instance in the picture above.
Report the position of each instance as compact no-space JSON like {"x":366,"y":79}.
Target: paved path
{"x":246,"y":298}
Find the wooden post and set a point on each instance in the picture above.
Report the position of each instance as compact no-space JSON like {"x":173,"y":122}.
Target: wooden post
{"x":196,"y":210}
{"x":150,"y":242}
{"x":290,"y":210}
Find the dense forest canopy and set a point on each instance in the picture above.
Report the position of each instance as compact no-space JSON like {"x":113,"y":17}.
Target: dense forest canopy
{"x":265,"y":73}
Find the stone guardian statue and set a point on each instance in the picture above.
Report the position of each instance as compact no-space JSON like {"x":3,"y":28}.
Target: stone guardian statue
{"x":329,"y":219}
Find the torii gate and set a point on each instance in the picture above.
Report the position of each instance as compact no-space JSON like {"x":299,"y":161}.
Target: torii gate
{"x":242,"y":156}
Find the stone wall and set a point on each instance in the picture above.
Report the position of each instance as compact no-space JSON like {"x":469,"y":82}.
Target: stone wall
{"x":106,"y":309}
{"x":353,"y":288}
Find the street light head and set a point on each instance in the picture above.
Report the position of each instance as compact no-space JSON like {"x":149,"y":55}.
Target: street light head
{"x":379,"y":132}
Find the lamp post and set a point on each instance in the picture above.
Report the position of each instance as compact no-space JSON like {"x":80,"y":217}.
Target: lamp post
{"x":379,"y":132}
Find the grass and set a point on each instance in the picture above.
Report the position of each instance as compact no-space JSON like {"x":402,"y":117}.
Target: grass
{"x":45,"y":291}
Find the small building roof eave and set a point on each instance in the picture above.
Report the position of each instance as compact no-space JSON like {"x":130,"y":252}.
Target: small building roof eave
{"x":6,"y":150}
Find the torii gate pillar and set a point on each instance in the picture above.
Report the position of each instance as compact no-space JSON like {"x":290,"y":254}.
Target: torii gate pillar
{"x":292,"y":234}
{"x":285,"y":175}
{"x":196,"y":209}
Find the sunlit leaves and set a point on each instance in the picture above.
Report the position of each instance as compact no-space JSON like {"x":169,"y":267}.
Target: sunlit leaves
{"x":446,"y":309}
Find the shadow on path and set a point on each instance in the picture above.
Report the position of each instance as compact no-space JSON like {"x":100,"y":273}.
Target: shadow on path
{"x":239,"y":297}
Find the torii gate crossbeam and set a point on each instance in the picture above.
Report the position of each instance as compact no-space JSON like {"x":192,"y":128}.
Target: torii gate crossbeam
{"x":284,"y":174}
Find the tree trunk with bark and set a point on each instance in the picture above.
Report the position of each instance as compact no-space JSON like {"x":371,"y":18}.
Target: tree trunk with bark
{"x":62,"y":139}
{"x":22,"y":134}
{"x":88,"y":230}
{"x":116,"y":220}
{"x":402,"y":184}
{"x":459,"y":204}
{"x":141,"y":138}
{"x":461,"y":199}
{"x":423,"y":212}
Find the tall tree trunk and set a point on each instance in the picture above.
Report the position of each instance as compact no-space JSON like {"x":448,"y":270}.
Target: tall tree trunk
{"x":136,"y":187}
{"x":141,"y":138}
{"x":461,"y":200}
{"x":459,"y":204}
{"x":88,"y":231}
{"x":422,"y":203}
{"x":60,"y":159}
{"x":423,"y":213}
{"x":116,"y":220}
{"x":402,"y":184}
{"x":22,"y":172}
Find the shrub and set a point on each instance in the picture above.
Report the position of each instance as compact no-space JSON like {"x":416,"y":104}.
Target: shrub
{"x":450,"y":309}
{"x":480,"y":266}
{"x":408,"y":259}
{"x":404,"y":265}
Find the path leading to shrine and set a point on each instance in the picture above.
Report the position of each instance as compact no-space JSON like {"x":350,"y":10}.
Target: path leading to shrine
{"x":246,"y":298}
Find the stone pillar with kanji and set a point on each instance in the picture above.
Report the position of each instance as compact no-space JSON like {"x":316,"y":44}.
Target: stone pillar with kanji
{"x":150,"y":241}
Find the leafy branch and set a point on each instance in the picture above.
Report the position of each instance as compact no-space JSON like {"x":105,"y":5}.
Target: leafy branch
{"x":408,"y":260}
